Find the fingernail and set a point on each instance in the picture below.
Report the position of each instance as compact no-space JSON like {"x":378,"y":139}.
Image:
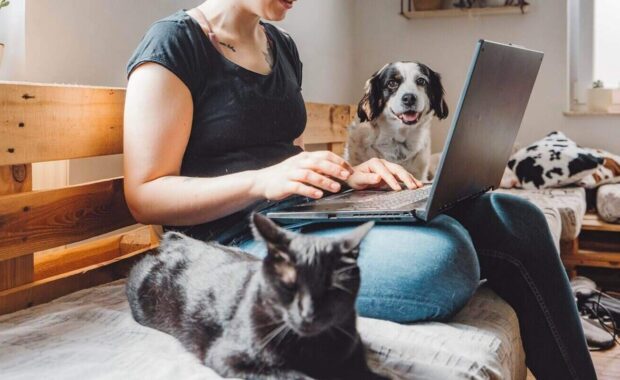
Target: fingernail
{"x":335,"y":186}
{"x":344,"y":173}
{"x":318,"y":194}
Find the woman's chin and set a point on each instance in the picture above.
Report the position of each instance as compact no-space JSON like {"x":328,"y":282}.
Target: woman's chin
{"x":277,"y":15}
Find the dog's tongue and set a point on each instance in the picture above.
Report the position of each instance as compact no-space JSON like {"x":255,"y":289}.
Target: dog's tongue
{"x":409,"y":117}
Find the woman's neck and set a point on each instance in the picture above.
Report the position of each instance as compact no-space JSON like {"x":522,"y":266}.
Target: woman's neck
{"x":230,"y":19}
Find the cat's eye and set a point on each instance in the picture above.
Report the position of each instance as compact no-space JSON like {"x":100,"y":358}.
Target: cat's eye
{"x":421,"y":82}
{"x":392,"y":84}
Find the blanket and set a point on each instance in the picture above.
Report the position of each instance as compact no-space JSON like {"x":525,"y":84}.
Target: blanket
{"x":91,"y":335}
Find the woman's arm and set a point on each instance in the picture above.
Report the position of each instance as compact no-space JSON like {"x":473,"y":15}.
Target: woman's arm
{"x":158,"y":119}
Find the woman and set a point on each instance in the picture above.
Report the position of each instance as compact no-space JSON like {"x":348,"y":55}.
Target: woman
{"x":213,"y":110}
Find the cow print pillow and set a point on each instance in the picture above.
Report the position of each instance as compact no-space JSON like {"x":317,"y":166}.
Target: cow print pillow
{"x":553,"y":161}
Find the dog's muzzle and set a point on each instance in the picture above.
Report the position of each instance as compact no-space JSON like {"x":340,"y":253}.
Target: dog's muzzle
{"x":407,"y":117}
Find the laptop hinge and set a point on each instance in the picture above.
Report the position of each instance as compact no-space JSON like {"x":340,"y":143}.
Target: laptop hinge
{"x":465,"y":198}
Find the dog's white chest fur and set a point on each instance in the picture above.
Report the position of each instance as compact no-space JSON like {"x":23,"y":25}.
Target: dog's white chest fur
{"x":406,"y":145}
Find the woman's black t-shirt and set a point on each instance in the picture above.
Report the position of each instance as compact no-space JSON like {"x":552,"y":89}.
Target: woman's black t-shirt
{"x":242,"y":120}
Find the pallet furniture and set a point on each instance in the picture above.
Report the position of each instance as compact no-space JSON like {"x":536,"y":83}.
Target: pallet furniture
{"x":598,"y":245}
{"x":43,"y":122}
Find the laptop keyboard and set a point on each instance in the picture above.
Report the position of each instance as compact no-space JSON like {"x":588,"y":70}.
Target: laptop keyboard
{"x":396,"y":199}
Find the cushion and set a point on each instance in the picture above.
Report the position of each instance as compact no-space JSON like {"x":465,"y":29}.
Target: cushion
{"x":554,"y":161}
{"x":570,"y":202}
{"x":607,"y":172}
{"x":91,"y":334}
{"x":608,"y":203}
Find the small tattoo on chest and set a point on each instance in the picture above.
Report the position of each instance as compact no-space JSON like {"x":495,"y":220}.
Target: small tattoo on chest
{"x":228,"y":46}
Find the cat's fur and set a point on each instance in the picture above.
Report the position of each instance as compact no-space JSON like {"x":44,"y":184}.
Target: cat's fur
{"x":288,"y":316}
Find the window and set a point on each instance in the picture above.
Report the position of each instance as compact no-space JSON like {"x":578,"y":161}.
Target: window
{"x":606,"y":61}
{"x":594,"y":47}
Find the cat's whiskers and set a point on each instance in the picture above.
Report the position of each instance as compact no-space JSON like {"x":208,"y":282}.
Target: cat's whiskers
{"x":345,"y":332}
{"x":345,"y":269}
{"x":282,"y":337}
{"x":345,"y":277}
{"x":271,"y":336}
{"x":348,"y":260}
{"x":338,"y":285}
{"x":273,"y":323}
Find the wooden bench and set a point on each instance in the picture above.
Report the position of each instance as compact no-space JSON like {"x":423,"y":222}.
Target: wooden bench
{"x":40,"y":123}
{"x":598,"y":245}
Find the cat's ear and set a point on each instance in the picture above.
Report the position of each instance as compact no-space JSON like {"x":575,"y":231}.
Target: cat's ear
{"x":264,"y":229}
{"x":349,"y":246}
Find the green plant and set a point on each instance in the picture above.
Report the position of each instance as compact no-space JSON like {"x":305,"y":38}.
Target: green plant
{"x":4,"y":3}
{"x":597,"y":84}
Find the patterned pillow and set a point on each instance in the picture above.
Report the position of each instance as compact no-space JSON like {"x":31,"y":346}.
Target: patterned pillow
{"x":553,"y":161}
{"x":607,"y":172}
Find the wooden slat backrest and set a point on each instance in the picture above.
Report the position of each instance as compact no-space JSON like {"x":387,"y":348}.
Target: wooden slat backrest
{"x":40,"y":122}
{"x":51,"y":122}
{"x":40,"y":220}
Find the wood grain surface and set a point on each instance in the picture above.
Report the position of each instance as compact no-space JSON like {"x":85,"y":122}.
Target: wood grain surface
{"x":46,"y":219}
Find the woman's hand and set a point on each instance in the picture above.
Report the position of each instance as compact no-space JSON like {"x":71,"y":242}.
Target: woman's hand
{"x":377,"y":172}
{"x":307,"y":174}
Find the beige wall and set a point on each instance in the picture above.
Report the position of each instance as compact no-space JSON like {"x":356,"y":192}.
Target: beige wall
{"x":446,"y":44}
{"x":13,"y":35}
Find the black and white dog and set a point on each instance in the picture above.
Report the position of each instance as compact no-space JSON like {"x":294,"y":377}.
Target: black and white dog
{"x":395,"y":117}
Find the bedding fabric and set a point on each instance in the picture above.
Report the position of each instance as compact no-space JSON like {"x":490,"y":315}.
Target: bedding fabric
{"x":570,"y":203}
{"x":91,"y":334}
{"x":608,"y":203}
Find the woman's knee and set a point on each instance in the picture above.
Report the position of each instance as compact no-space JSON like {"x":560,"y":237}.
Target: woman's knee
{"x":524,"y":230}
{"x":421,"y":272}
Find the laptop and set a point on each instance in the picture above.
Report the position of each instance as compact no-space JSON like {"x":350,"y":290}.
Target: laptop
{"x":478,"y":146}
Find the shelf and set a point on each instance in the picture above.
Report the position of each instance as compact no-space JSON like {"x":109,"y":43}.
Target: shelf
{"x":590,"y":113}
{"x":592,"y":222}
{"x":471,"y":12}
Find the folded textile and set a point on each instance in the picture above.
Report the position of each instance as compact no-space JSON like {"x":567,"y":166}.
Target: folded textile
{"x":608,"y":202}
{"x":557,"y":161}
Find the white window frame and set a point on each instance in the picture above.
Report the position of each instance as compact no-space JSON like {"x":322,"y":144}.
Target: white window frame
{"x":580,"y":50}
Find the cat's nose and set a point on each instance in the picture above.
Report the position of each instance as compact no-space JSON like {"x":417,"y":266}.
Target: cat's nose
{"x":306,"y":308}
{"x":307,"y":319}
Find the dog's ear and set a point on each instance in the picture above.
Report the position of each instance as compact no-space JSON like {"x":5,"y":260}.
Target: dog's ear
{"x":372,"y":102}
{"x":436,"y":94}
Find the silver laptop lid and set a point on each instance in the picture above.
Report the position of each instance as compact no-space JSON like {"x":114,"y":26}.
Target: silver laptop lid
{"x":485,"y":124}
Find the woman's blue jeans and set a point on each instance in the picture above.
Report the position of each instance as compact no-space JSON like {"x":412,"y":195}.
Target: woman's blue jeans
{"x":413,"y":272}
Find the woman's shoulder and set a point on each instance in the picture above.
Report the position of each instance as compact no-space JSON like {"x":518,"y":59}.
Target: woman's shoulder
{"x":172,"y":42}
{"x":175,"y":28}
{"x":283,"y":36}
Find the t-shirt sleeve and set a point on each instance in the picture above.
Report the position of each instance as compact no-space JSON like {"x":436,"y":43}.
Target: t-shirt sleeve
{"x":293,"y":53}
{"x":169,"y":44}
{"x":299,"y":67}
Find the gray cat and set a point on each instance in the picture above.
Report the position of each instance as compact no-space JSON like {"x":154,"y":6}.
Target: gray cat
{"x":288,"y":316}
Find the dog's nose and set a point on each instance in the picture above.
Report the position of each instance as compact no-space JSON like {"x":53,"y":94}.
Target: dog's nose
{"x":409,"y":99}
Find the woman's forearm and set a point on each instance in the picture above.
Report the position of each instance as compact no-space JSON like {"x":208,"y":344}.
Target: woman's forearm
{"x":178,"y":201}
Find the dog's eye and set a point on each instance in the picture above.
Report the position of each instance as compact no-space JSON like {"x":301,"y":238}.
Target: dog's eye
{"x":392,"y":84}
{"x":421,"y":82}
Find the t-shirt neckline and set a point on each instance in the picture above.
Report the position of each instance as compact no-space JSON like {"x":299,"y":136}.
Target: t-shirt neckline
{"x":228,"y":61}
